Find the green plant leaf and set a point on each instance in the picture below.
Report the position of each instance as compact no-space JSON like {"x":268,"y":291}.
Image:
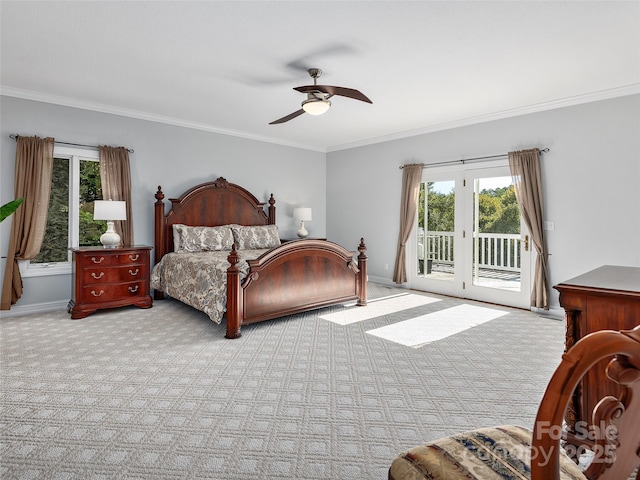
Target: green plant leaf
{"x":8,"y":208}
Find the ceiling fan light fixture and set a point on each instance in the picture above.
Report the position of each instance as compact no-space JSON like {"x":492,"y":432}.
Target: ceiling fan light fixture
{"x":316,"y":106}
{"x":318,"y":96}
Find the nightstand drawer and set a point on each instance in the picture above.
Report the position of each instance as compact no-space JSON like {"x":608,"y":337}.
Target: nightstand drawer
{"x":109,"y":292}
{"x":111,"y":260}
{"x":127,"y":273}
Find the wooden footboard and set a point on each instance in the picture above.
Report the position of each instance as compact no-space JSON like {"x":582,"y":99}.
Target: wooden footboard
{"x":297,"y":276}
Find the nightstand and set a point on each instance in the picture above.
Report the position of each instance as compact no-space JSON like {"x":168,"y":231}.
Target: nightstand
{"x":108,"y":278}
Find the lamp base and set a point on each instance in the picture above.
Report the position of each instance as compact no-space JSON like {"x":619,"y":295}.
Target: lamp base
{"x":302,"y":232}
{"x":110,"y":239}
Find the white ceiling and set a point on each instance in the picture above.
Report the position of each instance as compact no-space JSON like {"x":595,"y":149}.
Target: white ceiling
{"x":231,"y":66}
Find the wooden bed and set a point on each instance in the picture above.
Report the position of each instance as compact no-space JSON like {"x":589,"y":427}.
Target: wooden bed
{"x":294,"y":277}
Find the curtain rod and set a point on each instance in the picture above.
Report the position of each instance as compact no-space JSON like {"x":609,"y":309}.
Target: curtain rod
{"x":476,"y":159}
{"x":15,"y":137}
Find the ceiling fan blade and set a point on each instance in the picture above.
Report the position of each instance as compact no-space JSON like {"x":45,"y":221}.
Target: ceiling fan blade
{"x":288,"y":117}
{"x":333,"y":90}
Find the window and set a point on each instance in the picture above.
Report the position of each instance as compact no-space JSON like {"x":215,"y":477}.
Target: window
{"x":75,"y":184}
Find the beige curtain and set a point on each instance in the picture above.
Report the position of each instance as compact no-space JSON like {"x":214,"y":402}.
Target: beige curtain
{"x":115,"y":175}
{"x":527,"y":180}
{"x":411,"y":176}
{"x":34,"y":166}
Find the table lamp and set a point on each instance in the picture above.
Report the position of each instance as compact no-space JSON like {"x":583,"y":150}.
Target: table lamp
{"x":109,"y":210}
{"x":302,"y":215}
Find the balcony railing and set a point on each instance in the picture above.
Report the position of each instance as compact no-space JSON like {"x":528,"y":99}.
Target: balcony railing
{"x":496,"y":251}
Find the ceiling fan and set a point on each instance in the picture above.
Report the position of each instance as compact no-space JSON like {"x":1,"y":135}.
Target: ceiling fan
{"x":318,"y":96}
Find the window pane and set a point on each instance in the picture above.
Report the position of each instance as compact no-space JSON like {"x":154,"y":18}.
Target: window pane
{"x":56,"y":237}
{"x":496,"y":237}
{"x":440,"y":231}
{"x":90,"y":190}
{"x":56,"y":240}
{"x":436,"y":220}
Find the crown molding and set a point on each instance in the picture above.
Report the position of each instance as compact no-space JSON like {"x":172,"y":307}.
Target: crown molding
{"x":124,"y":112}
{"x":633,"y":89}
{"x":514,"y":112}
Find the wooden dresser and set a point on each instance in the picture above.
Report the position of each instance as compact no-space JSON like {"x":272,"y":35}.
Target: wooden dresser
{"x":605,"y":298}
{"x":109,"y":277}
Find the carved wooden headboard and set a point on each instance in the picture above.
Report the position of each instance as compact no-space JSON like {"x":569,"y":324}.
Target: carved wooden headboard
{"x":209,"y":204}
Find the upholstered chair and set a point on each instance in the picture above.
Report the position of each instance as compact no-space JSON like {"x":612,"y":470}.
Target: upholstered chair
{"x":611,"y":441}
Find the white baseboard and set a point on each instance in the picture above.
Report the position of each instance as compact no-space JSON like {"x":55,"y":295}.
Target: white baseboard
{"x":555,"y":312}
{"x":17,"y":310}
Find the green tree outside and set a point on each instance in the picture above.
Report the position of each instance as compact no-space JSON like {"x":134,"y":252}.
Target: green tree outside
{"x":56,"y":239}
{"x":498,"y":210}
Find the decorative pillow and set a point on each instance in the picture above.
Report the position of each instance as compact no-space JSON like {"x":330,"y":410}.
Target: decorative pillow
{"x":202,"y":239}
{"x":176,"y":236}
{"x":255,"y":236}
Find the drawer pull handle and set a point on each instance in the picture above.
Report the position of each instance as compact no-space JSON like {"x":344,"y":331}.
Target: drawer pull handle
{"x":93,"y":259}
{"x":133,"y":289}
{"x":97,"y":277}
{"x":133,"y":258}
{"x":132,"y":273}
{"x":96,"y":294}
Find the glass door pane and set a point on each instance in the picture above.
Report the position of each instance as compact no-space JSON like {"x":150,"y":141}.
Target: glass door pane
{"x":496,"y":234}
{"x":498,"y":244}
{"x":437,"y":230}
{"x":436,"y":237}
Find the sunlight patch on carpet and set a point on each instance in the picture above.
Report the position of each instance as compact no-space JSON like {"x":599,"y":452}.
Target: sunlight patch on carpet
{"x":377,"y":308}
{"x":418,"y":331}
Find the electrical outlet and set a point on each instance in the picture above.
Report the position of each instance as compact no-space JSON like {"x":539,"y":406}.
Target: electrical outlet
{"x":386,"y":266}
{"x":549,"y":226}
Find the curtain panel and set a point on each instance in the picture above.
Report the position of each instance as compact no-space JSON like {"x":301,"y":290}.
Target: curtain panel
{"x":115,"y":175}
{"x":527,"y":181}
{"x":33,"y":170}
{"x":411,"y":176}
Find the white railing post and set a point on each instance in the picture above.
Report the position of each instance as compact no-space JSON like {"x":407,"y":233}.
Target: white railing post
{"x":497,"y":251}
{"x":500,"y":251}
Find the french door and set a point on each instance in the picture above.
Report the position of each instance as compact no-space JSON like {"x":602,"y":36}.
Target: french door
{"x":470,"y":240}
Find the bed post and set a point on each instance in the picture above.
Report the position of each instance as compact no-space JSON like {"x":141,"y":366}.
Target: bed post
{"x":272,"y":210}
{"x":159,"y":234}
{"x":362,"y":274}
{"x":234,"y":295}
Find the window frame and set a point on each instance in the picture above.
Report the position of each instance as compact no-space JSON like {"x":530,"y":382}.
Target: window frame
{"x":74,"y":155}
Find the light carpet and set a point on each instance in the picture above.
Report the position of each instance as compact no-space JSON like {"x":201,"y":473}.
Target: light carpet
{"x":161,"y":394}
{"x":432,"y":327}
{"x":377,"y":308}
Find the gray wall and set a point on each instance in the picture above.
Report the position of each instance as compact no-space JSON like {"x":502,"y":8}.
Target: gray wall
{"x":591,"y":178}
{"x":174,"y":157}
{"x":591,"y":183}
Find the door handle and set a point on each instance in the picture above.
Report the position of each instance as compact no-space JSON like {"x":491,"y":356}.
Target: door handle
{"x":526,"y":243}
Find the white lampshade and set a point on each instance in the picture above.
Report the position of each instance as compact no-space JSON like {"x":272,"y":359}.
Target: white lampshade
{"x":315,"y":106}
{"x":302,"y":214}
{"x":109,"y":210}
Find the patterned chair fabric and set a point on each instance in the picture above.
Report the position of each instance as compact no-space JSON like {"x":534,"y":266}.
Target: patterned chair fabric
{"x":515,"y":453}
{"x":497,"y":453}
